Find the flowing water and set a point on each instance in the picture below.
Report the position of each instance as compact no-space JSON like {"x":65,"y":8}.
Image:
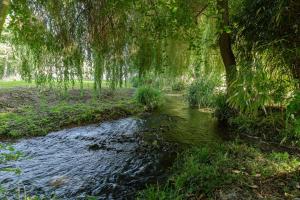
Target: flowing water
{"x":111,"y":160}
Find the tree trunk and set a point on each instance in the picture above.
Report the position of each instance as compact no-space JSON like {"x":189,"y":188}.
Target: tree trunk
{"x":225,"y":43}
{"x":3,"y":12}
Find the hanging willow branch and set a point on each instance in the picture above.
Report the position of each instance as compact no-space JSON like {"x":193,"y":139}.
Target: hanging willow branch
{"x":4,"y":6}
{"x":64,"y":40}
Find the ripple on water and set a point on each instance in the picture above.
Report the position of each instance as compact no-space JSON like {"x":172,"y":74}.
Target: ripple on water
{"x":65,"y":164}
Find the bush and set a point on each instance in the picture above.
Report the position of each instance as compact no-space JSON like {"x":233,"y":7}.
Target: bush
{"x":149,"y":97}
{"x":201,"y":93}
{"x":254,"y":90}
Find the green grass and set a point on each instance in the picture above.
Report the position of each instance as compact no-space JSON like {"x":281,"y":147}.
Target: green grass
{"x":30,"y":122}
{"x":12,"y":84}
{"x":31,"y":112}
{"x":230,"y":171}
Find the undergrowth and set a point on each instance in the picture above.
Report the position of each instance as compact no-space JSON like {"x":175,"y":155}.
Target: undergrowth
{"x":280,"y":124}
{"x":229,"y":171}
{"x":201,"y":92}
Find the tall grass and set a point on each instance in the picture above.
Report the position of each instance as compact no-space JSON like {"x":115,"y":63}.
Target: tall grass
{"x":178,"y":86}
{"x":201,"y":93}
{"x":149,"y":97}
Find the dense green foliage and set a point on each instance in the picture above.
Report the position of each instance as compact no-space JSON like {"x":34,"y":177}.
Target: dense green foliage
{"x":201,"y":92}
{"x":270,"y":28}
{"x":256,"y":87}
{"x":66,"y":40}
{"x":240,"y":56}
{"x":149,"y":97}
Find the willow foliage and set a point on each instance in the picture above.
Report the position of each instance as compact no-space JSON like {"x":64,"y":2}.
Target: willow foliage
{"x":270,"y":27}
{"x":64,"y":41}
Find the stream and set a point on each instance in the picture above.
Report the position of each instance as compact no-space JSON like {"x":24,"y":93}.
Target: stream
{"x":110,"y":160}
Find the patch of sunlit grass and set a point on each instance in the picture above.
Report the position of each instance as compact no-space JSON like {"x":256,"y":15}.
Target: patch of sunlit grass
{"x":205,"y":171}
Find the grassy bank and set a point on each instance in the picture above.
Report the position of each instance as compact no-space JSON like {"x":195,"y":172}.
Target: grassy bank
{"x":12,"y":84}
{"x":230,"y":171}
{"x":21,"y":83}
{"x":28,"y":111}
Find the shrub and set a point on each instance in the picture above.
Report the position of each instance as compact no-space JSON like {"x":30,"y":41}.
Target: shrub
{"x":149,"y":97}
{"x":255,"y":88}
{"x":201,"y":93}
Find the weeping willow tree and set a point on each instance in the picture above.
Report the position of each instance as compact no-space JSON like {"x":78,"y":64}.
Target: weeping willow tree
{"x":61,"y":41}
{"x":57,"y":39}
